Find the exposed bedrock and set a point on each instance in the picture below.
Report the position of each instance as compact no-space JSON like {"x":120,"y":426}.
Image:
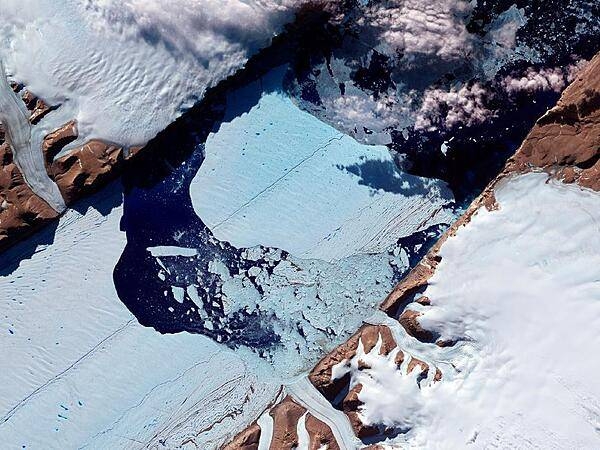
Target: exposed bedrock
{"x":340,"y":375}
{"x":248,"y":439}
{"x":15,"y":117}
{"x":292,"y":427}
{"x":84,"y":169}
{"x":566,"y":140}
{"x":79,"y":172}
{"x":21,"y":211}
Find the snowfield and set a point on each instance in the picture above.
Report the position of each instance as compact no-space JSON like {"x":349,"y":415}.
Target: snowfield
{"x":519,"y":289}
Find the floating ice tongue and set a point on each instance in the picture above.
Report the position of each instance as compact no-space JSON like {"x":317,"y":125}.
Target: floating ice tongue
{"x":277,"y":176}
{"x":126,"y":69}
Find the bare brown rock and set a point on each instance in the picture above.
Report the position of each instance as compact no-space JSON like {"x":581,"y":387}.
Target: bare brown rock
{"x":320,"y":434}
{"x":35,"y":105}
{"x":320,"y":376}
{"x":566,"y":140}
{"x":248,"y":439}
{"x":85,"y":169}
{"x":351,"y":405}
{"x":286,"y":415}
{"x":419,"y":365}
{"x":413,"y":283}
{"x":285,"y":419}
{"x":21,"y":211}
{"x":423,"y":300}
{"x":54,"y":142}
{"x":409,"y":320}
{"x":80,"y":172}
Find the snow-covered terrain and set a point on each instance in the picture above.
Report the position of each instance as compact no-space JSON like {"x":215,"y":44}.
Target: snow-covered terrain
{"x":172,"y":313}
{"x":519,"y":290}
{"x":261,"y":241}
{"x":70,"y":343}
{"x":125,"y":70}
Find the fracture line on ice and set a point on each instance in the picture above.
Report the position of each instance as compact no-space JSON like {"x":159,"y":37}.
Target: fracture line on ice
{"x":269,"y":187}
{"x":56,"y":377}
{"x":223,"y":391}
{"x":145,"y":396}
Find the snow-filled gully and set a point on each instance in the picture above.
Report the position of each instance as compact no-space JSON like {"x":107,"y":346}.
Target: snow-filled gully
{"x":27,"y":156}
{"x":305,"y":394}
{"x":506,"y":280}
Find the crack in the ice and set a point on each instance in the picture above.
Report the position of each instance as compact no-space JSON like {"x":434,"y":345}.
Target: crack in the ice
{"x":269,"y":187}
{"x":143,"y":399}
{"x":56,"y":377}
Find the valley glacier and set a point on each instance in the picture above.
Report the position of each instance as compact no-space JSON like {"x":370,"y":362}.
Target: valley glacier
{"x":299,"y":224}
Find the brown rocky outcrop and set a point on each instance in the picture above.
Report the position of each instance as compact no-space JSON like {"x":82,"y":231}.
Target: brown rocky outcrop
{"x":320,"y":376}
{"x":54,"y":142}
{"x":410,"y":322}
{"x":85,"y":169}
{"x":566,"y":143}
{"x":21,"y":211}
{"x":248,"y":439}
{"x":78,"y":173}
{"x":36,"y":106}
{"x":566,"y":140}
{"x":286,"y":415}
{"x":350,"y":403}
{"x":320,"y":434}
{"x":285,"y":420}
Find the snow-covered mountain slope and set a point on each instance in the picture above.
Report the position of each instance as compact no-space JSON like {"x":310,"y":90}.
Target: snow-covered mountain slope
{"x":519,"y":289}
{"x":516,"y":299}
{"x":489,"y":340}
{"x":71,"y":343}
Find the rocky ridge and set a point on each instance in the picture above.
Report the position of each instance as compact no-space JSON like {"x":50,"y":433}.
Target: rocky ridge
{"x":288,"y":419}
{"x":79,"y":172}
{"x":565,"y":143}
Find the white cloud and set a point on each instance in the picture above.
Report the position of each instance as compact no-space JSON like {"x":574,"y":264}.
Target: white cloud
{"x":415,"y":27}
{"x":457,"y":106}
{"x":545,"y":79}
{"x":205,"y":28}
{"x":126,"y":69}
